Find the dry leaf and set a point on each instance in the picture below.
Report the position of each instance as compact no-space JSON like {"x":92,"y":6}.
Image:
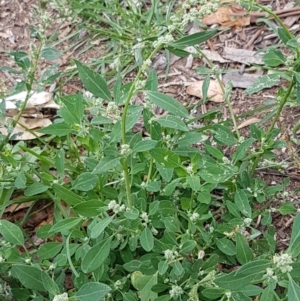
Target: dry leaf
{"x":248,"y":122}
{"x":20,"y":133}
{"x":224,"y":16}
{"x":214,"y":92}
{"x":238,"y":80}
{"x":36,"y":99}
{"x":17,"y":207}
{"x":243,"y":56}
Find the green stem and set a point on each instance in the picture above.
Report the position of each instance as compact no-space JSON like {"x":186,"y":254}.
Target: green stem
{"x":227,"y":99}
{"x":123,"y":124}
{"x":31,"y":75}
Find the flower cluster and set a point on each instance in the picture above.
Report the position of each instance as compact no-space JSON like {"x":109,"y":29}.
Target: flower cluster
{"x":61,"y":297}
{"x":176,"y":291}
{"x":163,"y":40}
{"x":170,"y":255}
{"x":116,"y":208}
{"x":193,"y":216}
{"x":145,"y":218}
{"x":270,"y":275}
{"x":283,"y":262}
{"x":125,"y":150}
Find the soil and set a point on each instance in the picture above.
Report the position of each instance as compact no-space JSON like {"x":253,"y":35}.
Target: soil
{"x":16,"y":18}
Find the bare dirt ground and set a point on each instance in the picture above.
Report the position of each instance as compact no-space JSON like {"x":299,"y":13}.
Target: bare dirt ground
{"x":16,"y":18}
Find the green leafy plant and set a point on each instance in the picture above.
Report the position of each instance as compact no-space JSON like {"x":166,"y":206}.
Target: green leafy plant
{"x":147,"y":216}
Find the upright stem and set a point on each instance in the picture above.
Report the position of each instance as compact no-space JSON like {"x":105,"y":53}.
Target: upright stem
{"x":123,"y":123}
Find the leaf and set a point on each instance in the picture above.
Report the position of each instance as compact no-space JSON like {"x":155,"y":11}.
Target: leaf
{"x":35,"y":189}
{"x":60,"y":162}
{"x":147,"y":240}
{"x":100,"y":226}
{"x":293,"y":290}
{"x":95,"y":256}
{"x":194,"y":39}
{"x":49,"y":284}
{"x":294,"y":248}
{"x":65,"y":224}
{"x":29,"y":276}
{"x":85,"y":182}
{"x":191,"y":138}
{"x":267,"y":294}
{"x":188,"y":246}
{"x":244,"y":275}
{"x":89,"y":208}
{"x":287,"y":208}
{"x":172,"y":122}
{"x":274,"y":58}
{"x":106,"y":164}
{"x":50,"y":54}
{"x":93,"y":291}
{"x":165,"y":157}
{"x":49,"y":250}
{"x":166,"y":173}
{"x":11,"y":233}
{"x":226,"y":246}
{"x":144,"y":145}
{"x":263,"y":82}
{"x":72,"y":111}
{"x":194,"y":182}
{"x":57,"y":129}
{"x":242,"y":150}
{"x":20,"y":181}
{"x":144,"y":283}
{"x":168,"y":103}
{"x":217,"y":173}
{"x":242,"y":202}
{"x":93,"y":82}
{"x":66,"y":195}
{"x":224,"y":135}
{"x":243,"y":251}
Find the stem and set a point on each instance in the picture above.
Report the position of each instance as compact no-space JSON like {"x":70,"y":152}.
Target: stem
{"x":31,"y":75}
{"x":281,"y":105}
{"x":123,"y":124}
{"x":227,"y":99}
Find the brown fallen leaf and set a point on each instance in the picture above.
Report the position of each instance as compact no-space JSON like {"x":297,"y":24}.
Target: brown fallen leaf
{"x":248,"y":122}
{"x":224,"y":16}
{"x":214,"y":92}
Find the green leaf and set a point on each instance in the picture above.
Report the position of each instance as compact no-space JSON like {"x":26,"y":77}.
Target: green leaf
{"x":224,"y":135}
{"x":169,"y":189}
{"x":85,"y":182}
{"x":95,"y":256}
{"x":29,"y":276}
{"x":244,"y":275}
{"x":147,"y":240}
{"x":57,"y":129}
{"x":287,"y":208}
{"x":188,"y":246}
{"x":66,"y":195}
{"x":274,"y":58}
{"x":93,"y":291}
{"x":50,"y":54}
{"x":132,"y":214}
{"x":20,"y":181}
{"x":294,"y":248}
{"x":163,"y":267}
{"x":35,"y":189}
{"x":172,"y":122}
{"x":242,"y":150}
{"x":11,"y":233}
{"x":217,"y":173}
{"x":89,"y":208}
{"x":213,"y":293}
{"x":65,"y":224}
{"x":93,"y":82}
{"x":168,"y":103}
{"x":153,"y":186}
{"x":242,"y":202}
{"x":49,"y":284}
{"x":144,"y":283}
{"x":72,"y":111}
{"x":194,"y":182}
{"x":132,"y":266}
{"x":194,"y":39}
{"x":106,"y":164}
{"x":191,"y":138}
{"x":293,"y":290}
{"x":267,"y":294}
{"x":49,"y":250}
{"x":214,"y":152}
{"x":243,"y":251}
{"x":166,"y":173}
{"x":100,"y":226}
{"x":226,"y":246}
{"x":263,"y":82}
{"x":60,"y":162}
{"x":144,"y":145}
{"x":165,"y":157}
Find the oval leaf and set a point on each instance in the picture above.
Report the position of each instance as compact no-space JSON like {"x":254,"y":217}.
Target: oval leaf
{"x":85,"y":182}
{"x":11,"y":233}
{"x":93,"y":291}
{"x":147,"y":240}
